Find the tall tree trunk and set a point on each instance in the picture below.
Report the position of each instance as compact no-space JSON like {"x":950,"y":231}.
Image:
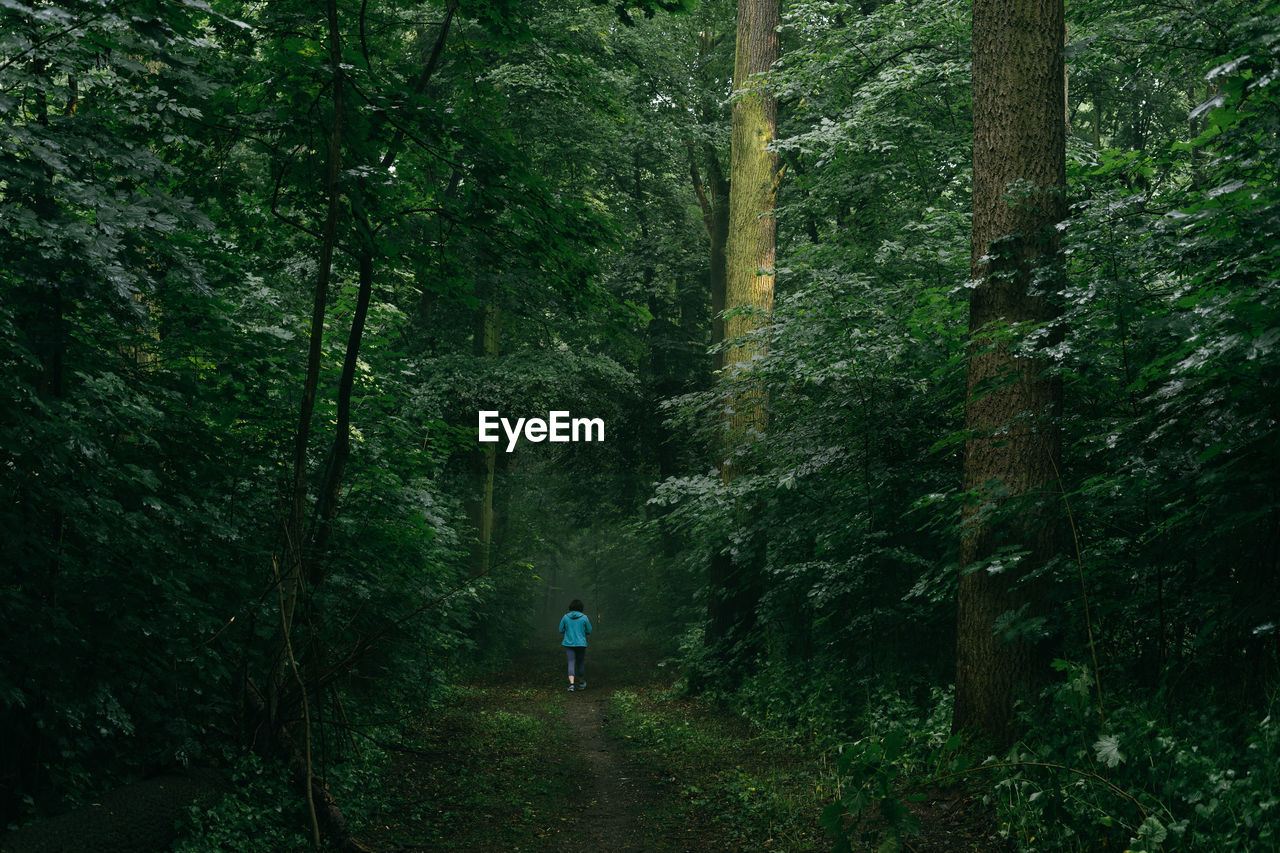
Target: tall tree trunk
{"x":483,"y":461}
{"x":286,"y":704}
{"x":281,"y":700}
{"x":753,"y":179}
{"x":1011,"y":455}
{"x":733,"y":583}
{"x":331,"y":486}
{"x":291,"y":573}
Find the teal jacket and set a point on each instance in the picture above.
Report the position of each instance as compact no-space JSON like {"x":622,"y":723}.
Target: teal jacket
{"x":575,"y":626}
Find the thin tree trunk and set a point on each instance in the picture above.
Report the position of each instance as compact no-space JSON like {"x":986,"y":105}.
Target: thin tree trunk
{"x":713,"y":197}
{"x":329,"y":238}
{"x":301,"y":556}
{"x":483,"y":461}
{"x":331,"y":487}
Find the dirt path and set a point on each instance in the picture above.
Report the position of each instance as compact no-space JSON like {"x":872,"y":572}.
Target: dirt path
{"x":517,"y":763}
{"x":611,"y":820}
{"x":520,"y":763}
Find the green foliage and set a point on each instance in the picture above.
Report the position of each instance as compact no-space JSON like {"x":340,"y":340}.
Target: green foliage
{"x":880,"y":776}
{"x":868,"y":768}
{"x":263,"y":813}
{"x":1169,"y":319}
{"x":863,"y":371}
{"x":766,"y":791}
{"x":1166,"y":352}
{"x":1200,"y":780}
{"x":114,"y":476}
{"x":161,"y":197}
{"x":155,"y":346}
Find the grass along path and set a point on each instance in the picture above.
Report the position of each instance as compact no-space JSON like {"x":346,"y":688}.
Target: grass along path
{"x":518,"y":763}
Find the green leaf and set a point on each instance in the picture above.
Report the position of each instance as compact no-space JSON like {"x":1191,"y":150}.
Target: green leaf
{"x":1107,"y":750}
{"x":1151,"y":834}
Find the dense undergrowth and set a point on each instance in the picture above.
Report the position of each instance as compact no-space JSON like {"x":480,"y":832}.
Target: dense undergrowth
{"x":495,"y":764}
{"x":162,"y":196}
{"x":480,"y":765}
{"x":749,"y":788}
{"x":1155,"y":776}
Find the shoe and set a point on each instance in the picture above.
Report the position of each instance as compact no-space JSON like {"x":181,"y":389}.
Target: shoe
{"x":582,"y":686}
{"x":570,"y":688}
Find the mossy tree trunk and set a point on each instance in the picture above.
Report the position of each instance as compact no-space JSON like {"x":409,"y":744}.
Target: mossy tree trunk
{"x":733,"y":582}
{"x":753,"y":180}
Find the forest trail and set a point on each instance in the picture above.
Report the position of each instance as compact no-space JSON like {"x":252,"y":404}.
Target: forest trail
{"x":611,"y":821}
{"x":518,"y":762}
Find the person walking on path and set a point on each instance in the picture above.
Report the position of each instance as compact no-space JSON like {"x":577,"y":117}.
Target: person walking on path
{"x":574,"y":627}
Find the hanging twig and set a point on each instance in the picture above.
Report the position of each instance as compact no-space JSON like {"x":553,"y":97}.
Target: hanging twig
{"x":1084,"y":593}
{"x":1087,"y":774}
{"x":306,"y":708}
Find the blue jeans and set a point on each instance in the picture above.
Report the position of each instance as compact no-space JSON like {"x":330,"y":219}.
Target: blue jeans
{"x":576,"y":656}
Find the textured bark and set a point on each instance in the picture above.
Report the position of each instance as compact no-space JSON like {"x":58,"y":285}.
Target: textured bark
{"x":753,"y":177}
{"x":733,"y":583}
{"x":1011,"y":455}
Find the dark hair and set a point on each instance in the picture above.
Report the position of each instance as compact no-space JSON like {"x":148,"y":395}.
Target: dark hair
{"x":577,"y":605}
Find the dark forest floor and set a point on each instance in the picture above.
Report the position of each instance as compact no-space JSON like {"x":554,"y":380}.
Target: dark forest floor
{"x":518,"y":763}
